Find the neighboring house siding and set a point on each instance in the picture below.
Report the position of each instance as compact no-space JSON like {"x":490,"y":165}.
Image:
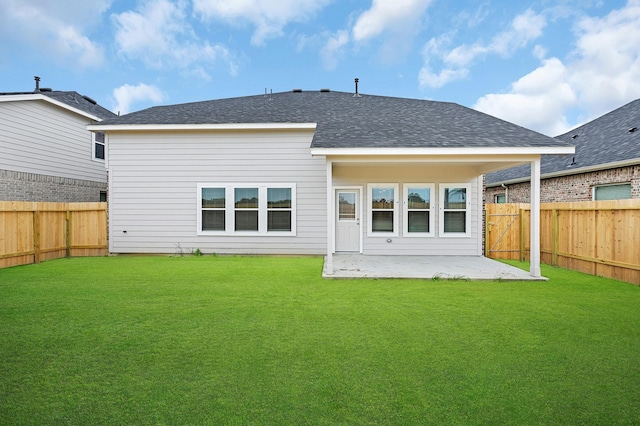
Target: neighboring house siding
{"x":22,"y":186}
{"x":153,"y":182}
{"x":40,"y":138}
{"x":578,"y":187}
{"x":350,"y":175}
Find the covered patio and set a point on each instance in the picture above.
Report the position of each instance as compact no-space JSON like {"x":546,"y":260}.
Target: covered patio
{"x":425,"y":267}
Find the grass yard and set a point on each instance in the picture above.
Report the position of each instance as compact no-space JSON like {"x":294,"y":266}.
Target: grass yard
{"x":241,"y":340}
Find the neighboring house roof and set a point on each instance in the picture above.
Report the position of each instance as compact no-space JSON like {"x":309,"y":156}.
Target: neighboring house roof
{"x":345,"y":120}
{"x":612,"y":140}
{"x":70,"y":100}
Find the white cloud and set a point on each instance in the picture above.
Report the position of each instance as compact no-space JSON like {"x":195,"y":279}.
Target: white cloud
{"x":127,"y":94}
{"x":158,"y":34}
{"x":607,"y":59}
{"x":268,"y":16}
{"x":394,"y":22}
{"x":524,"y":28}
{"x":600,"y":74}
{"x":333,"y":49}
{"x":536,"y":101}
{"x":56,"y":30}
{"x":385,"y":15}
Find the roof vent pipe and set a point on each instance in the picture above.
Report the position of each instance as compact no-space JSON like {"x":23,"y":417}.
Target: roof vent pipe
{"x":37,"y":79}
{"x":356,"y":95}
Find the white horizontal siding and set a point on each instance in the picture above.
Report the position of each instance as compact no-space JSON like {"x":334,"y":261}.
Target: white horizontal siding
{"x":38,"y":137}
{"x":153,"y":189}
{"x":356,"y":175}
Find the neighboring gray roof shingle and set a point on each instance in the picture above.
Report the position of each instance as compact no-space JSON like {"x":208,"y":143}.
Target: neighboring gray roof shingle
{"x":346,"y":121}
{"x":73,"y":99}
{"x":605,"y":140}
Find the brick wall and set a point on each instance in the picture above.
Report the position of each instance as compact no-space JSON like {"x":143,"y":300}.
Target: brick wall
{"x":20,"y":186}
{"x":577,"y":187}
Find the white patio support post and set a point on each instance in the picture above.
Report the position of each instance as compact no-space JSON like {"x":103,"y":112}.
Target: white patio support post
{"x":534,"y":237}
{"x":328,"y":263}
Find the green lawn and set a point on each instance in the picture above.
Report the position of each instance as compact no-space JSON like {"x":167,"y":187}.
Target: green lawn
{"x":241,"y":340}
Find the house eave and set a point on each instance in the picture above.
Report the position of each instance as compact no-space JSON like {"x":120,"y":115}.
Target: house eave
{"x":200,"y":127}
{"x":440,"y":151}
{"x":569,"y":172}
{"x":41,"y":97}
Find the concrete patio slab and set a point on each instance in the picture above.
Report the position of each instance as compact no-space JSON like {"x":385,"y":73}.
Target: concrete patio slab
{"x":428,"y":267}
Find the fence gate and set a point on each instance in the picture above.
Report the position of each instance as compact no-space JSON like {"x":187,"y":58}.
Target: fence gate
{"x":502,"y":232}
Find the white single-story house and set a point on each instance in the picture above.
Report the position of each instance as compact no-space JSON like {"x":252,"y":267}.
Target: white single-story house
{"x":311,"y":172}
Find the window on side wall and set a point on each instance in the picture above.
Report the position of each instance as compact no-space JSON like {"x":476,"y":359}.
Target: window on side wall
{"x":454,"y":211}
{"x":620,"y":191}
{"x":383,"y":210}
{"x":500,"y":198}
{"x":418,"y":200}
{"x":98,"y":146}
{"x":227,"y":209}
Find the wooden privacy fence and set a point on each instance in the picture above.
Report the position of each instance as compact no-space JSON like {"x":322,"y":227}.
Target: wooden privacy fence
{"x":596,"y":237}
{"x":31,"y":232}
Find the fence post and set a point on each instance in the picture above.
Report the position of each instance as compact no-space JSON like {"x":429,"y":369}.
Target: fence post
{"x":486,"y":232}
{"x":68,"y":233}
{"x":555,"y":232}
{"x":36,"y":235}
{"x":523,"y":256}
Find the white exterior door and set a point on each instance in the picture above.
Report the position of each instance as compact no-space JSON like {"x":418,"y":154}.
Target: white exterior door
{"x":348,"y":220}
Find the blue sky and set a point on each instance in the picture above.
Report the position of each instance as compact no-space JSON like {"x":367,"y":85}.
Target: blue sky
{"x":548,"y":65}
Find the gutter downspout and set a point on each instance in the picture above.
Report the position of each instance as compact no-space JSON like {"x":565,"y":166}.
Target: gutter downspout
{"x":506,"y":192}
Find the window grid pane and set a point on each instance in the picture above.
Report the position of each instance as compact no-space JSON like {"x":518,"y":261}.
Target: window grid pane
{"x":99,"y":151}
{"x":246,"y":220}
{"x":246,"y":198}
{"x":455,"y":221}
{"x":382,"y":221}
{"x":279,"y":221}
{"x":418,"y":198}
{"x":418,"y":221}
{"x":279,"y":198}
{"x":382,"y":198}
{"x":455,"y":198}
{"x":347,"y":206}
{"x":213,"y":220}
{"x":213,"y":198}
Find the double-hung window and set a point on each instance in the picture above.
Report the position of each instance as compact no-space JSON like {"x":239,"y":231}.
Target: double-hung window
{"x":454,"y":210}
{"x":383,"y":210}
{"x":98,"y":146}
{"x":213,"y":208}
{"x":240,"y":209}
{"x":246,"y":204}
{"x":279,"y":209}
{"x":418,"y":209}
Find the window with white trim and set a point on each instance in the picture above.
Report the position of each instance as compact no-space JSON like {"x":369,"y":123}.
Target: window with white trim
{"x":418,"y":212}
{"x":98,"y":146}
{"x":383,"y":210}
{"x":619,"y":191}
{"x":454,"y":210}
{"x":241,"y":209}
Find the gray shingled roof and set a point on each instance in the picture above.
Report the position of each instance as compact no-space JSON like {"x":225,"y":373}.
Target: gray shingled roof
{"x":605,"y":140}
{"x":73,"y":99}
{"x":345,"y":121}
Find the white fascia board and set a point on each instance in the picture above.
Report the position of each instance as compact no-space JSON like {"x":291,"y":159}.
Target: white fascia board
{"x":40,"y":97}
{"x":568,"y":172}
{"x":205,"y":126}
{"x":487,"y":151}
